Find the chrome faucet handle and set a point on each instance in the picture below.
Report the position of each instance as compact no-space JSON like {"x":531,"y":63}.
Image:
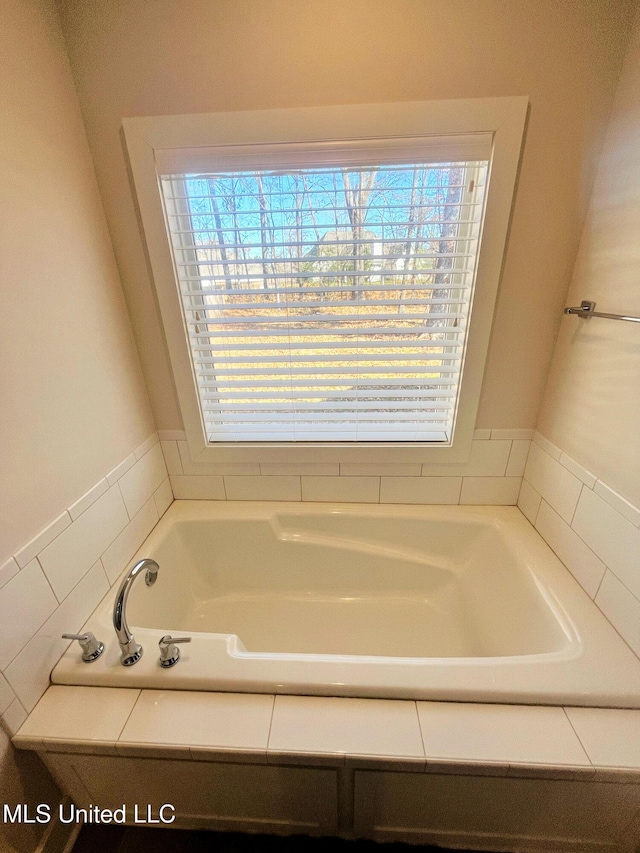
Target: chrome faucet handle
{"x":91,"y":648}
{"x":169,"y":652}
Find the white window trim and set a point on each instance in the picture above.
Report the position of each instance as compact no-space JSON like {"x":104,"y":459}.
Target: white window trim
{"x":150,"y":139}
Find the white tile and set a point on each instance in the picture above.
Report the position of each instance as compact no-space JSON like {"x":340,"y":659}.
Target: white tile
{"x":613,"y":538}
{"x":615,"y":774}
{"x":230,"y":755}
{"x":310,"y":469}
{"x":557,"y":486}
{"x":307,"y":759}
{"x":628,"y":510}
{"x":583,"y":564}
{"x":197,"y":488}
{"x":551,"y":771}
{"x":262,"y":488}
{"x":172,"y":435}
{"x":517,"y":458}
{"x":383,"y":469}
{"x":378,"y":762}
{"x":548,"y":446}
{"x":118,"y":554}
{"x":141,"y":481}
{"x":212,"y":469}
{"x":114,"y":475}
{"x":420,"y":490}
{"x":134,"y":750}
{"x":163,"y":497}
{"x":6,"y":694}
{"x":80,"y":713}
{"x":492,"y":491}
{"x":529,"y":501}
{"x":229,"y":720}
{"x":146,"y":446}
{"x":76,"y":509}
{"x":611,"y":737}
{"x":348,"y":489}
{"x":26,"y":602}
{"x":39,"y":542}
{"x":577,"y":470}
{"x":621,"y":608}
{"x":512,"y":434}
{"x":73,"y":553}
{"x":524,"y":734}
{"x":8,"y":570}
{"x":94,"y":747}
{"x":28,"y":673}
{"x":376,"y":727}
{"x":481,"y":434}
{"x":488,"y":459}
{"x":14,"y":717}
{"x":467,"y":768}
{"x":171,"y":456}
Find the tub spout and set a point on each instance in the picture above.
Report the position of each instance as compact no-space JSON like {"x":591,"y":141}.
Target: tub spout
{"x":130,"y":651}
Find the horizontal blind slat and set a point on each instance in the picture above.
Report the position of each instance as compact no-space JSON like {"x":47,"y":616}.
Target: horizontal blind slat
{"x":350,"y":273}
{"x":404,"y":287}
{"x":427,"y":381}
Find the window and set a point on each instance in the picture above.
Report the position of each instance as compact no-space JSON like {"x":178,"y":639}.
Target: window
{"x":321,"y":286}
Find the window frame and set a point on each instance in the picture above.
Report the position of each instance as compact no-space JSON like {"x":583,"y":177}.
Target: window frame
{"x":156,"y":139}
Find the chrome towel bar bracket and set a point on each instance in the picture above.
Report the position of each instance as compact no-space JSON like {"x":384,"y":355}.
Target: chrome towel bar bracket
{"x":587,"y":309}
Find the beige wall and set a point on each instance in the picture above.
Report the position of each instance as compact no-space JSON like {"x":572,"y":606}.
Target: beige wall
{"x":181,"y":56}
{"x":73,"y":398}
{"x":591,"y":407}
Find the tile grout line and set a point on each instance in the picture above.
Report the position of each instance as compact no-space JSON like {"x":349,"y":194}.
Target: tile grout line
{"x":13,"y":556}
{"x":46,"y":577}
{"x":575,"y":509}
{"x":273,"y":711}
{"x":424,"y":748}
{"x":133,"y":707}
{"x":606,"y":569}
{"x":578,"y":736}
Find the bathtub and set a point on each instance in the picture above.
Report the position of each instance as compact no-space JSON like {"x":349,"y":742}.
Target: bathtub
{"x":449,"y":603}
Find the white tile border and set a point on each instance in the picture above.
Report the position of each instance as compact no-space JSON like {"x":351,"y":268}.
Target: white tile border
{"x":76,"y":509}
{"x":40,"y":541}
{"x":500,"y":454}
{"x":624,"y":507}
{"x":592,"y":529}
{"x":118,"y":542}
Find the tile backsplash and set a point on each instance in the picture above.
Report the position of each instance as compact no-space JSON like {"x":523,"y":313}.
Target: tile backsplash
{"x":492,"y":476}
{"x":592,"y":529}
{"x":53,"y":583}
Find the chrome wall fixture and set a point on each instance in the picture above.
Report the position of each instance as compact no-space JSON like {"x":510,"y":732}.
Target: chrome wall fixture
{"x":587,"y":309}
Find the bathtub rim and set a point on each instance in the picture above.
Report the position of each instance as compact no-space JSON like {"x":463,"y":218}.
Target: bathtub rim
{"x":595,"y":643}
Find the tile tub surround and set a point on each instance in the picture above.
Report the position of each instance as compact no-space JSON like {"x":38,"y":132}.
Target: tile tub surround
{"x":377,"y":734}
{"x":492,"y":476}
{"x":593,"y":530}
{"x":53,"y":583}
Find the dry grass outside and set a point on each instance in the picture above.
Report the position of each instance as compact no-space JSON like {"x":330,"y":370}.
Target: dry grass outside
{"x":346,"y":360}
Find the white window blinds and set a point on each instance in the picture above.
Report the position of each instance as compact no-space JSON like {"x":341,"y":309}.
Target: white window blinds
{"x":328,"y":302}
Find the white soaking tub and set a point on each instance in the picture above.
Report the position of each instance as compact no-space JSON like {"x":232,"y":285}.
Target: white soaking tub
{"x":450,"y":603}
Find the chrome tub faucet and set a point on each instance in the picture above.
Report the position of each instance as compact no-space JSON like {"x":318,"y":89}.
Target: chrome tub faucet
{"x":130,"y":651}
